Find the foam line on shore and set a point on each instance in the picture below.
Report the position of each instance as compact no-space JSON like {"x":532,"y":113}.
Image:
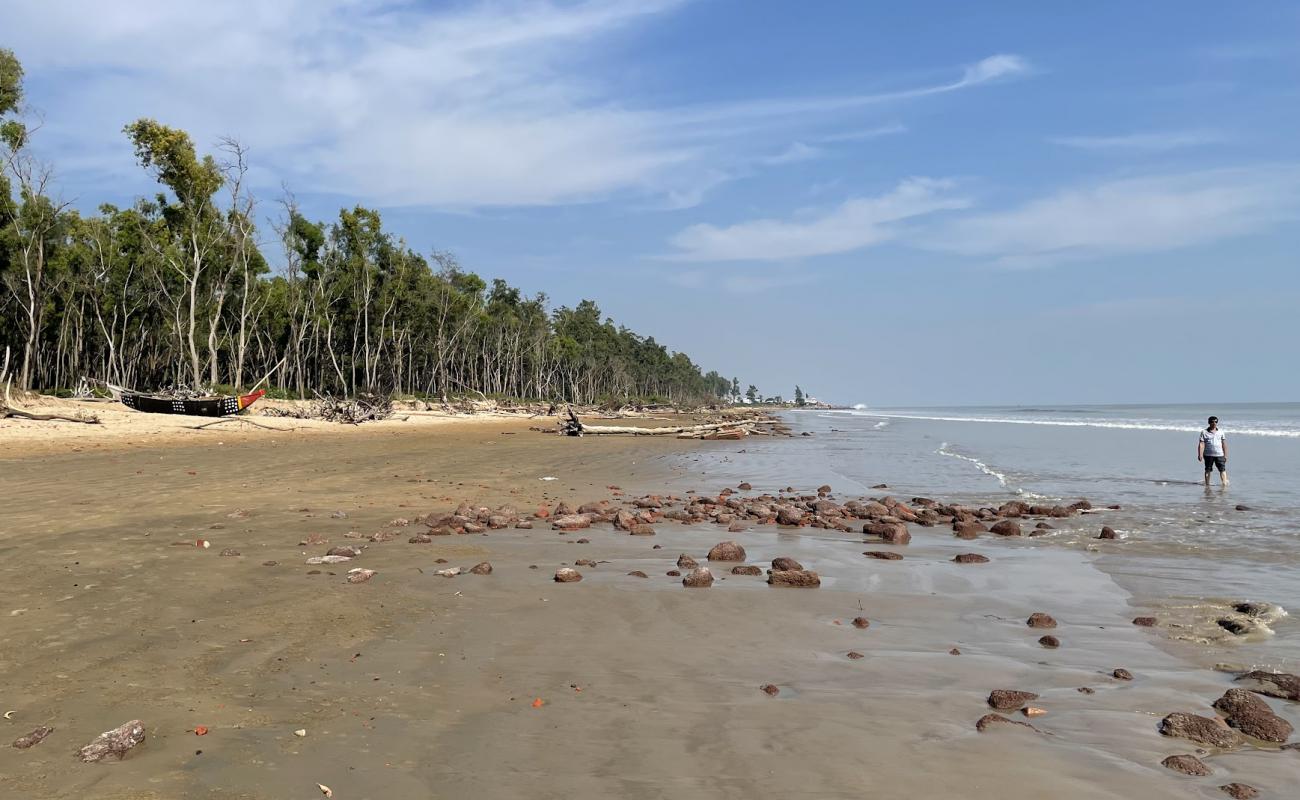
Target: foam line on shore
{"x":1140,"y":426}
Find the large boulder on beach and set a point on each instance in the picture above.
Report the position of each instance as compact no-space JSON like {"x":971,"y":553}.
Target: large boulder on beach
{"x":1252,"y":716}
{"x":1209,"y":731}
{"x":968,"y":530}
{"x":567,"y":575}
{"x":641,"y":529}
{"x":891,"y":532}
{"x":746,"y":569}
{"x":1188,"y":765}
{"x":789,"y":516}
{"x":570,"y":522}
{"x":1009,"y":699}
{"x":727,"y":551}
{"x":113,"y":745}
{"x":1006,"y":527}
{"x":686,"y":562}
{"x":783,"y":563}
{"x":794,"y":577}
{"x":698,"y":578}
{"x":1282,"y":685}
{"x":1239,"y":791}
{"x":1040,"y":620}
{"x":1107,"y":532}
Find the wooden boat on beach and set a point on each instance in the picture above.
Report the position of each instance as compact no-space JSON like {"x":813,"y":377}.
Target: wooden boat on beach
{"x":215,"y":406}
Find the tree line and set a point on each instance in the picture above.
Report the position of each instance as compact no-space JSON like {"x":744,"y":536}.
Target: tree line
{"x":177,"y":290}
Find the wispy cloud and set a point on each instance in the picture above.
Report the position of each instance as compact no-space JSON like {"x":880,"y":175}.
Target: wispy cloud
{"x":1130,"y":215}
{"x":450,"y":105}
{"x":1143,"y":142}
{"x":739,"y":283}
{"x":853,"y":225}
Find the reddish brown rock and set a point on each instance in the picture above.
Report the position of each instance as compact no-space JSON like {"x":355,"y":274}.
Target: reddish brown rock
{"x":585,"y":562}
{"x":115,"y":744}
{"x":641,"y":530}
{"x":995,"y":720}
{"x":861,"y":622}
{"x":1253,"y":717}
{"x":672,"y":573}
{"x":1209,"y":731}
{"x":789,"y":516}
{"x":744,"y":487}
{"x":1009,"y":699}
{"x":968,"y":530}
{"x":883,"y":555}
{"x":481,"y":568}
{"x":746,"y":569}
{"x":34,"y":738}
{"x":1122,"y":674}
{"x":570,"y":522}
{"x":727,"y":551}
{"x":1281,"y":685}
{"x":855,"y":655}
{"x":636,"y":573}
{"x":567,"y":575}
{"x":345,"y":550}
{"x":698,"y":578}
{"x":1050,"y":642}
{"x":1188,"y":765}
{"x":770,"y":690}
{"x":794,"y":577}
{"x":1144,"y":622}
{"x":954,"y":652}
{"x":970,"y":558}
{"x":1005,"y":527}
{"x":1040,"y":620}
{"x":686,"y":562}
{"x":1107,"y":532}
{"x":782,"y":563}
{"x":420,"y":538}
{"x":1239,"y":791}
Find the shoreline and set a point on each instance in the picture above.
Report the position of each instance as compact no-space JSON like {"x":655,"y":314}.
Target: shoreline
{"x":412,"y":684}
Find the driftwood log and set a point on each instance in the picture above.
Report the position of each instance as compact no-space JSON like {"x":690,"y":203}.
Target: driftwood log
{"x":7,"y":406}
{"x":570,"y":425}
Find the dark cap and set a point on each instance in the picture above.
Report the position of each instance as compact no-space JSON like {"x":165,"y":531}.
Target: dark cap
{"x":1214,"y":419}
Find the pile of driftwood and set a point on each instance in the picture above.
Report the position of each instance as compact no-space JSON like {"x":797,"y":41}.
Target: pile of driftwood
{"x":345,"y":410}
{"x":720,"y":430}
{"x":7,"y":408}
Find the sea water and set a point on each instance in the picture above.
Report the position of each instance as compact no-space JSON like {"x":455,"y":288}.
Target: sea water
{"x":1185,"y":552}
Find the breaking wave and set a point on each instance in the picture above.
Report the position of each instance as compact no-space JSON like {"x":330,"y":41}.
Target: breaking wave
{"x":1073,"y":423}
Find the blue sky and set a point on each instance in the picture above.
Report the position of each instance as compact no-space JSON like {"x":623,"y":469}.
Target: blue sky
{"x":889,"y":203}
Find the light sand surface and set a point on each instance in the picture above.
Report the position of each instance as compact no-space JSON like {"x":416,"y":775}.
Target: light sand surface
{"x":417,"y":686}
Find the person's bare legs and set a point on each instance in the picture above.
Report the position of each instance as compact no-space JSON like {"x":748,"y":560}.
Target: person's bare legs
{"x":1223,"y":478}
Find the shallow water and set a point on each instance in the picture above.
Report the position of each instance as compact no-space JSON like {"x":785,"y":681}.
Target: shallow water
{"x":1185,"y":552}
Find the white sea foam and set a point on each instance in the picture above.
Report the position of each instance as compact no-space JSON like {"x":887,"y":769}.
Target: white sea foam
{"x":884,"y":423}
{"x":985,"y":468}
{"x":1070,"y":423}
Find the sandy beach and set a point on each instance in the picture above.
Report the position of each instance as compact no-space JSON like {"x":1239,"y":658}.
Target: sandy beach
{"x":511,"y":684}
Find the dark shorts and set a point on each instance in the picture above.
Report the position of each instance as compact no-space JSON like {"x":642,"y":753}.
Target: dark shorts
{"x":1216,"y":461}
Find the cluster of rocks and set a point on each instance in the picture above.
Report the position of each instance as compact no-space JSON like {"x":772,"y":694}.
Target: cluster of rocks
{"x":784,"y":571}
{"x":1245,"y":718}
{"x":885,"y":517}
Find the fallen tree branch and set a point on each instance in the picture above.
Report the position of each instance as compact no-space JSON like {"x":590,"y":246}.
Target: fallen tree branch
{"x":7,"y":410}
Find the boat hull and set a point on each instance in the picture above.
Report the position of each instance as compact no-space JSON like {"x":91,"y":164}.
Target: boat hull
{"x":194,"y":407}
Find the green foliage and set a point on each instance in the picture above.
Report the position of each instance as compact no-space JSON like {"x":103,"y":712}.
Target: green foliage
{"x":798,"y":396}
{"x":11,"y":81}
{"x":175,"y":290}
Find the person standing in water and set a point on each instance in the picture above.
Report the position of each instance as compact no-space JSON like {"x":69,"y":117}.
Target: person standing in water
{"x":1213,"y":450}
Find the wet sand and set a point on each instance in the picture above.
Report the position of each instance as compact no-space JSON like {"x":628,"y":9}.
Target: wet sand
{"x":414,"y":685}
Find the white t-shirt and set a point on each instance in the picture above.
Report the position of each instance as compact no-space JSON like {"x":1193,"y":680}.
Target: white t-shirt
{"x":1213,"y":441}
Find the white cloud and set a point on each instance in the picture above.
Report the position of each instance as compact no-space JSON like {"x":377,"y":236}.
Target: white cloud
{"x":1130,"y":215}
{"x":1142,"y":142}
{"x":401,"y":102}
{"x":855,"y":224}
